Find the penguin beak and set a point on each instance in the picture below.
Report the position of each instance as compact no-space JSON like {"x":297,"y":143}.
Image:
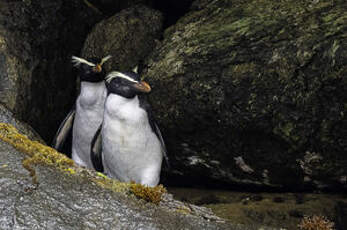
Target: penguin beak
{"x":97,"y":68}
{"x":142,"y":87}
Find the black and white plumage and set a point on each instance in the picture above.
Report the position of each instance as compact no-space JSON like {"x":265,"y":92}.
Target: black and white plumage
{"x":129,"y":144}
{"x":87,"y":114}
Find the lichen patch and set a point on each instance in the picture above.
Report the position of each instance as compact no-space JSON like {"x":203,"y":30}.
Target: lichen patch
{"x":37,"y":153}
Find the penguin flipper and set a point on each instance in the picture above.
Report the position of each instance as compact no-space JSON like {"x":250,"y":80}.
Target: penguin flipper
{"x":151,"y":119}
{"x":96,"y":151}
{"x":164,"y":151}
{"x":65,"y":130}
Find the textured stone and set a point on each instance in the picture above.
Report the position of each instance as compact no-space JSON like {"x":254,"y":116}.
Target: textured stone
{"x":128,"y":36}
{"x":110,"y":7}
{"x":66,"y":200}
{"x":254,"y":93}
{"x":6,"y":116}
{"x":37,"y":39}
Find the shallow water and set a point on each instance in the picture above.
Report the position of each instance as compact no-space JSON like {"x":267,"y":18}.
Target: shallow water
{"x":284,"y":210}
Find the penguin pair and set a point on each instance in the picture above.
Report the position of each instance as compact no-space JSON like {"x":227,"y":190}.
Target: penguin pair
{"x":128,"y":144}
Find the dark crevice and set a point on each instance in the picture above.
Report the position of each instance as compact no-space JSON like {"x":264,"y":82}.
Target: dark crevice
{"x":172,"y":10}
{"x":201,"y":182}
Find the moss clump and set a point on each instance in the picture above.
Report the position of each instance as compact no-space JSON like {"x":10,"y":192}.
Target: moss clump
{"x":37,"y":152}
{"x":42,"y":154}
{"x":151,"y":194}
{"x":108,"y":183}
{"x":316,"y":223}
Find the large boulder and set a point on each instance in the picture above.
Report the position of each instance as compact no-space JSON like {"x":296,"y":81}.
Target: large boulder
{"x":6,"y":116}
{"x":37,"y":39}
{"x":129,"y":36}
{"x":254,"y":93}
{"x":67,"y":197}
{"x":110,"y":7}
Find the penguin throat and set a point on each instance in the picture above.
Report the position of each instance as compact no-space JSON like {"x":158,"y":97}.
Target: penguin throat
{"x":92,"y":80}
{"x":117,"y":105}
{"x":96,"y":77}
{"x":129,"y":94}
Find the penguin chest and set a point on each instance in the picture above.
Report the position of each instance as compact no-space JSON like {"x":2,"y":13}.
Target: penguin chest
{"x":89,"y":111}
{"x":130,"y":148}
{"x":125,"y":120}
{"x":88,"y":117}
{"x":89,"y":99}
{"x":90,"y":104}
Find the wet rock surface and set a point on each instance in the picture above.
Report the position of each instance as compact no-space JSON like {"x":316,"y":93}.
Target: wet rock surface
{"x":6,"y":116}
{"x":129,"y":36}
{"x":284,"y":210}
{"x":341,"y":210}
{"x":37,"y":39}
{"x":63,"y":200}
{"x":110,"y":7}
{"x":253,"y":93}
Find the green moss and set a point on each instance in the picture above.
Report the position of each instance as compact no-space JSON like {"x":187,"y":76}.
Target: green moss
{"x":111,"y":184}
{"x":41,"y":154}
{"x":37,"y":153}
{"x":316,"y":222}
{"x":184,"y":210}
{"x":287,"y":129}
{"x":151,"y":194}
{"x":288,"y":132}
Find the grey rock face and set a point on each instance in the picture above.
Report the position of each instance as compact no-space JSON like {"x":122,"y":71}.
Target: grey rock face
{"x":6,"y":116}
{"x":37,"y":39}
{"x":65,"y":201}
{"x":109,"y":7}
{"x":128,"y":36}
{"x":254,"y":93}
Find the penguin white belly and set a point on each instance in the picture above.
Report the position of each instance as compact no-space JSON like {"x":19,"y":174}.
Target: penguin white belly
{"x":131,"y":150}
{"x":89,"y":115}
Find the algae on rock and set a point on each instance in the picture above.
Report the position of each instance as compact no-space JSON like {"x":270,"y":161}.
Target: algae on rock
{"x":129,"y":36}
{"x":68,"y":196}
{"x":262,"y":80}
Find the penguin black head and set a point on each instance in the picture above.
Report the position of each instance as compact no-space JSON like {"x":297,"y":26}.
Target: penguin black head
{"x":126,"y":84}
{"x":90,"y":70}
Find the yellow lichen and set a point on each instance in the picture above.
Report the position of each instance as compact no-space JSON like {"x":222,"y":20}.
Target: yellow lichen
{"x":111,"y":184}
{"x":101,"y":175}
{"x":37,"y":152}
{"x":42,"y":154}
{"x":70,"y":170}
{"x":151,"y":194}
{"x":316,"y":223}
{"x":184,"y":210}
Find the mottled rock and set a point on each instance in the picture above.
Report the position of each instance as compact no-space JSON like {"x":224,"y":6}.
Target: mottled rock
{"x":6,"y":116}
{"x":341,"y":219}
{"x":72,"y":199}
{"x":254,"y":93}
{"x":109,"y":7}
{"x":129,"y":36}
{"x":37,"y":39}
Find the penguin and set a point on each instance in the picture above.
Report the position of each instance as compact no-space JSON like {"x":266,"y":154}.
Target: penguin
{"x":86,"y":116}
{"x":128,"y":145}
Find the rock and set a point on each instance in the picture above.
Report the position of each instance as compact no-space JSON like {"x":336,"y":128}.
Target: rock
{"x":6,"y":116}
{"x":253,"y":93}
{"x":37,"y":40}
{"x":128,"y":36}
{"x":172,"y":10}
{"x":74,"y":198}
{"x":341,"y":215}
{"x":110,"y":7}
